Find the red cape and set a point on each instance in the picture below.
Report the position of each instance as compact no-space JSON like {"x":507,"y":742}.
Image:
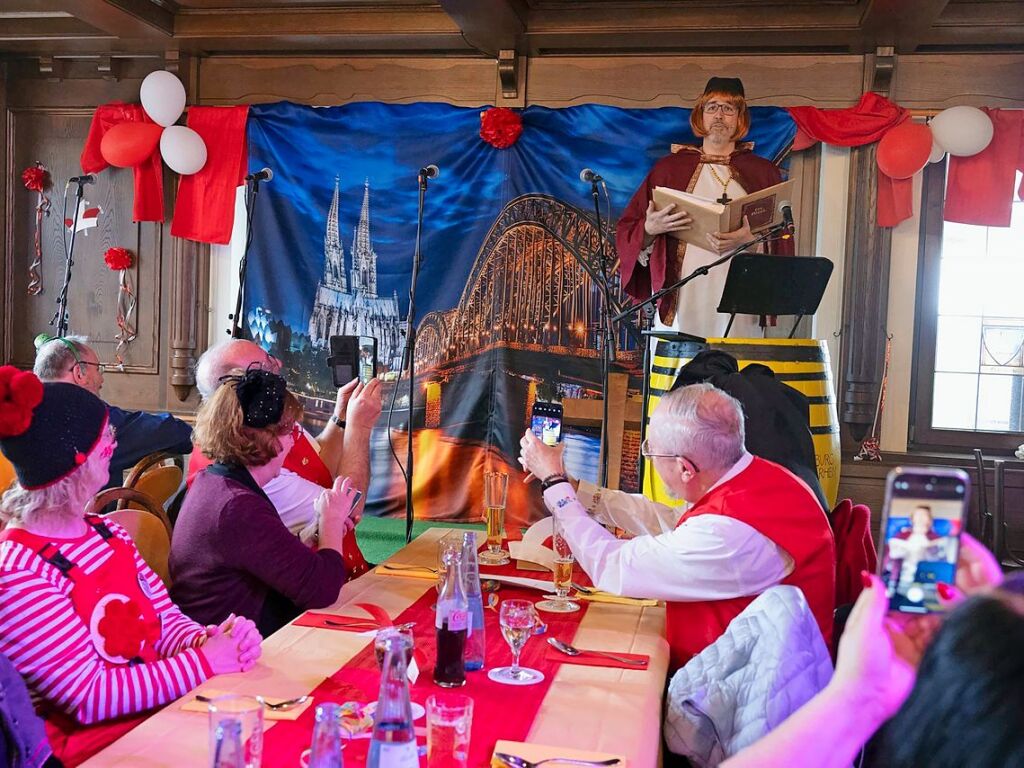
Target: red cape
{"x":679,"y":171}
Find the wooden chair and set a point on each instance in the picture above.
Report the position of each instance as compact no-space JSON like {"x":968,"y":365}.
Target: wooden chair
{"x":6,"y":473}
{"x":146,"y":522}
{"x":158,"y":475}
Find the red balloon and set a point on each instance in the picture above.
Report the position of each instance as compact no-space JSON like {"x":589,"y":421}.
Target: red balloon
{"x":904,"y":150}
{"x":129,"y":144}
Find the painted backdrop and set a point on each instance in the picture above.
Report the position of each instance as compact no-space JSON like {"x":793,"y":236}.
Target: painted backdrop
{"x":507,"y":310}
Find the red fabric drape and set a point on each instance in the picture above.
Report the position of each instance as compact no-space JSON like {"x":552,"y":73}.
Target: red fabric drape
{"x":149,"y":185}
{"x":865,"y":123}
{"x":979,"y":189}
{"x":205,"y":208}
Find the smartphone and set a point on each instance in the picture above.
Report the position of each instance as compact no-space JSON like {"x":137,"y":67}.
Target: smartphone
{"x":922,"y":518}
{"x":351,"y":357}
{"x":546,"y":422}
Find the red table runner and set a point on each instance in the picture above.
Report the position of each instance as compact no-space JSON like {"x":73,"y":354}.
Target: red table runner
{"x":499,"y":711}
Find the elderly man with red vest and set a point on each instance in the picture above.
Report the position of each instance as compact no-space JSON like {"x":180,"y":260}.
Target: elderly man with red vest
{"x":751,"y":525}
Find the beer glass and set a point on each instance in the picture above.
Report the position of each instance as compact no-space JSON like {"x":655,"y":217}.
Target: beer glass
{"x":560,"y":602}
{"x":495,"y":497}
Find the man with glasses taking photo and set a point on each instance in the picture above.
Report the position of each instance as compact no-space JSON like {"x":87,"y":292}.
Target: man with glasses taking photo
{"x":139,"y":433}
{"x":751,"y":524}
{"x":722,"y":168}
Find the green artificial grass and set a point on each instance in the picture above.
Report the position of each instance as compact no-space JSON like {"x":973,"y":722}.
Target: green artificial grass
{"x":380,"y":537}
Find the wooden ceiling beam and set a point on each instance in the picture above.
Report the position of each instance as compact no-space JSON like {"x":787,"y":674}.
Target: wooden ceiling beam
{"x":898,"y":23}
{"x":490,"y":26}
{"x":125,"y":19}
{"x":28,"y":29}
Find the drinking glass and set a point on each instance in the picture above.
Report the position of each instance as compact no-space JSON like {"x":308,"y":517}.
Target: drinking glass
{"x":325,"y":750}
{"x":517,"y":619}
{"x":495,"y":497}
{"x":236,"y":731}
{"x":564,"y":559}
{"x":449,"y":720}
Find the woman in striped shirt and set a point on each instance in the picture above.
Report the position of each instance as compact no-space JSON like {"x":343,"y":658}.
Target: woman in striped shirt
{"x":82,"y":617}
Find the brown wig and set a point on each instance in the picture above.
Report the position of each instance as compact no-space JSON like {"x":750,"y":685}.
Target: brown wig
{"x":221,"y":431}
{"x":737,"y":100}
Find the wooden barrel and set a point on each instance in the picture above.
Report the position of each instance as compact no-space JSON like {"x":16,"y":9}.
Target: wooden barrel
{"x":801,"y":363}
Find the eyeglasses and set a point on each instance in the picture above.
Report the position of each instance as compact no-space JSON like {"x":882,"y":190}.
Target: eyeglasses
{"x":647,"y":453}
{"x":99,"y":366}
{"x":725,"y":109}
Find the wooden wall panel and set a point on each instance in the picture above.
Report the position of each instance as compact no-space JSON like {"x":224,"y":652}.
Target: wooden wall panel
{"x":55,"y":137}
{"x":667,"y":81}
{"x":939,"y":81}
{"x":324,"y":81}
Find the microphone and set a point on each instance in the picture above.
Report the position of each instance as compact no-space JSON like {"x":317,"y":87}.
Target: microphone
{"x":430,"y":172}
{"x":265,"y":175}
{"x":786,"y":209}
{"x":86,"y":178}
{"x":589,"y":176}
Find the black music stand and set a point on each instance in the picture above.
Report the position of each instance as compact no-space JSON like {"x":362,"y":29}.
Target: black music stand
{"x":774,"y":285}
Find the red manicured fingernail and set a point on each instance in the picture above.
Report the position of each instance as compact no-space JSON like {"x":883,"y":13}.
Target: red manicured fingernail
{"x":865,"y":579}
{"x":945,"y":591}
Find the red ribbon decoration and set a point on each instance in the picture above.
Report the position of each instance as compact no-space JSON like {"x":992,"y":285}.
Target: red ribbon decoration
{"x":121,"y":260}
{"x":37,"y":179}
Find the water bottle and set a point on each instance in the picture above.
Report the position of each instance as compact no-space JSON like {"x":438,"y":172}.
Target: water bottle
{"x":393,"y":744}
{"x":474,"y":654}
{"x":452,"y":623}
{"x":325,"y":750}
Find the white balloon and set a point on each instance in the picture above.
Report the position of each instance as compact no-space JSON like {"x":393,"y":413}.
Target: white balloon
{"x":963,"y":131}
{"x":938,"y":152}
{"x":183,"y":150}
{"x":163,"y":97}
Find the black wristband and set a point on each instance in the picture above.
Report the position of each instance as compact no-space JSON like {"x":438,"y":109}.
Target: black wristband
{"x":551,"y":480}
{"x":339,"y":422}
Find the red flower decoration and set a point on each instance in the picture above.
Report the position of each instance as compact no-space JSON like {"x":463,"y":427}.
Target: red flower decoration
{"x":118,"y":258}
{"x":20,"y":393}
{"x":500,"y":127}
{"x":35,"y":178}
{"x":123,"y":629}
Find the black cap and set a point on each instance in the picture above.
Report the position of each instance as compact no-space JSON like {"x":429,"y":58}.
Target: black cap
{"x":730,"y":85}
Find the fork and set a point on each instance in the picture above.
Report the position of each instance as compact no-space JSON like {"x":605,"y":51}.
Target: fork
{"x":278,"y":706}
{"x":518,"y":762}
{"x":583,"y":590}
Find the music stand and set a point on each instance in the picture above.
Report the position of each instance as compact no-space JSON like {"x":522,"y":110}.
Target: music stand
{"x":774,"y":285}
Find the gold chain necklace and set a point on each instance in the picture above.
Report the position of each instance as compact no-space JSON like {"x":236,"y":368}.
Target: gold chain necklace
{"x":724,"y":199}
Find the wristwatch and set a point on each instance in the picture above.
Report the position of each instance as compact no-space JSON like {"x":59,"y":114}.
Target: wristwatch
{"x":339,"y":422}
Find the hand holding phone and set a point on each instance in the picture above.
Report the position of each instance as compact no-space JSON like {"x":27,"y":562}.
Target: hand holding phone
{"x":546,"y":422}
{"x":922,"y":519}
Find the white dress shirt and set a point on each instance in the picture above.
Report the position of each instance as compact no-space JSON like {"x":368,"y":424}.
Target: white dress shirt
{"x":711,"y":557}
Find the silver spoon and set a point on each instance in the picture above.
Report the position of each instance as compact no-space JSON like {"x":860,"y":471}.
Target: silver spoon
{"x":518,"y":762}
{"x":570,"y":650}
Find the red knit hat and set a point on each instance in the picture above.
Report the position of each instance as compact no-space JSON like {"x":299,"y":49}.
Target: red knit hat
{"x":46,"y":430}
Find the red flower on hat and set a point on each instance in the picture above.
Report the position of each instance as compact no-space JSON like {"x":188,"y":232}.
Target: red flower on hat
{"x":123,"y":629}
{"x":20,"y":393}
{"x":35,"y":178}
{"x":500,"y":127}
{"x":118,"y":258}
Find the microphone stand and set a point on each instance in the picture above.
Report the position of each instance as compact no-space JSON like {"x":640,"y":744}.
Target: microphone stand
{"x":235,"y":331}
{"x":409,"y":357}
{"x":652,"y":300}
{"x":607,"y":335}
{"x":61,"y":315}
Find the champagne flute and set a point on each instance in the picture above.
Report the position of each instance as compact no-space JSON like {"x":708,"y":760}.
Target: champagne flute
{"x":495,"y":497}
{"x":560,"y":602}
{"x":518,"y":619}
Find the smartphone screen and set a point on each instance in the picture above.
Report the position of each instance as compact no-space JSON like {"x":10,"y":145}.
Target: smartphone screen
{"x":924,"y":513}
{"x":546,"y":422}
{"x":367,"y":358}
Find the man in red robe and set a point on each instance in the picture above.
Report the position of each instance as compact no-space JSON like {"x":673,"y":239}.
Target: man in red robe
{"x":722,"y":168}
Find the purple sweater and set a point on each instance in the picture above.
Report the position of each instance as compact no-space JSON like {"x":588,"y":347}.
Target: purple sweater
{"x":231,"y":553}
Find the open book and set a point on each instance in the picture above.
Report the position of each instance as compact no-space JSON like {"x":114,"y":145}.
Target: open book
{"x":761,"y":209}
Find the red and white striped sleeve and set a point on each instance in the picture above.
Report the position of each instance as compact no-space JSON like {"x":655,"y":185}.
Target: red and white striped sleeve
{"x":177,"y":631}
{"x":50,"y":646}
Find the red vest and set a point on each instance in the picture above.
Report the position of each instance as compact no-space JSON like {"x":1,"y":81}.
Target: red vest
{"x":305,"y":462}
{"x":776,"y":504}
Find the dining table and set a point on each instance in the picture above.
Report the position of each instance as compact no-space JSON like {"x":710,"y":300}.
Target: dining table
{"x":598,"y":709}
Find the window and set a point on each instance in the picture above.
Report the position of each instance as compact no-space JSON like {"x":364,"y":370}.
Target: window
{"x":969,"y":372}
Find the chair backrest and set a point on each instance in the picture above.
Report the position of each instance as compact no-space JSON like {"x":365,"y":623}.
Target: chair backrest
{"x":158,"y":475}
{"x":147,"y":525}
{"x":6,"y":473}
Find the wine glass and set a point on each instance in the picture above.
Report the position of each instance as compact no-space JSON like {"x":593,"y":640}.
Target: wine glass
{"x":560,"y":602}
{"x":518,"y":619}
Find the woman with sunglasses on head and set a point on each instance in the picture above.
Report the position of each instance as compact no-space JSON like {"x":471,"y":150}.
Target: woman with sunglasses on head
{"x":231,"y":553}
{"x":86,"y":622}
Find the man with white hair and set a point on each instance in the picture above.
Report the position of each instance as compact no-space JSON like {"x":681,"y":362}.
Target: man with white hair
{"x":752,"y":524}
{"x":139,"y":433}
{"x":341,"y":449}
